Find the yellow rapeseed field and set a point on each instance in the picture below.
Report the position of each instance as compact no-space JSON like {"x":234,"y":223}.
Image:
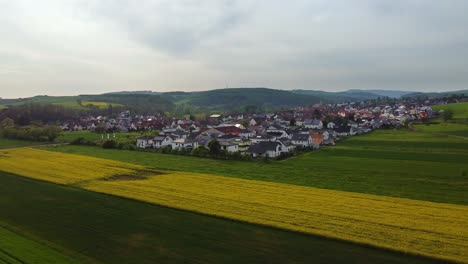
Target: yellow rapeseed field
{"x":419,"y":227}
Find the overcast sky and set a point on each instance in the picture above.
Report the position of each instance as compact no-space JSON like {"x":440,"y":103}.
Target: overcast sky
{"x":68,"y":47}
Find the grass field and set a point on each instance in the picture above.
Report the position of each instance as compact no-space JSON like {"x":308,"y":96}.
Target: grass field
{"x":69,"y":136}
{"x":460,"y":110}
{"x":456,"y":129}
{"x":429,"y":229}
{"x":15,"y":248}
{"x":8,"y":143}
{"x":114,"y":230}
{"x":401,"y":163}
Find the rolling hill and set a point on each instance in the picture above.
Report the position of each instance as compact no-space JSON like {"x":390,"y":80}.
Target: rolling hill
{"x":235,"y":98}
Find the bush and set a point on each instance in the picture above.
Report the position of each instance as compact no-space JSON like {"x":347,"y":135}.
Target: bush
{"x":201,"y":151}
{"x":109,"y":144}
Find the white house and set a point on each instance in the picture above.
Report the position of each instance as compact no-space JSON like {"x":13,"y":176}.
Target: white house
{"x":331,"y":125}
{"x":277,"y":131}
{"x":145,"y":142}
{"x":229,"y":146}
{"x":302,"y":140}
{"x":265,"y":149}
{"x":261,"y":138}
{"x":162,"y":141}
{"x":184,"y":143}
{"x":313,"y":123}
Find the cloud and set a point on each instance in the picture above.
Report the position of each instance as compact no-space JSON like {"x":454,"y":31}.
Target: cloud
{"x":92,"y":46}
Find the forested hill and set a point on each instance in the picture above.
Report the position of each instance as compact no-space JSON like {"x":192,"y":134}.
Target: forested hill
{"x":236,"y":98}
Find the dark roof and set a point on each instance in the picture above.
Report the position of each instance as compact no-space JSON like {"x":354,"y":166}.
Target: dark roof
{"x":342,"y":129}
{"x":263,"y":147}
{"x":275,"y":134}
{"x":300,"y":137}
{"x":229,"y":129}
{"x":159,"y":138}
{"x":276,"y":126}
{"x":286,"y":142}
{"x":228,"y":136}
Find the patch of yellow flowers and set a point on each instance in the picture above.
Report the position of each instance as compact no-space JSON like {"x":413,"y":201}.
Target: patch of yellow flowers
{"x":419,"y":227}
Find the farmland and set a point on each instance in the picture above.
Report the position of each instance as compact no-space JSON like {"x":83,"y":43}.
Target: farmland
{"x":430,"y":229}
{"x":7,"y":143}
{"x":460,"y":110}
{"x":16,"y":248}
{"x":403,"y":163}
{"x":114,"y":230}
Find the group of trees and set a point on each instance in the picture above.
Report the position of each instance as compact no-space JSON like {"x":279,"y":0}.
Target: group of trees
{"x":34,"y":132}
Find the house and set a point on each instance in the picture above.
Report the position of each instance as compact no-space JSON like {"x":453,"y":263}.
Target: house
{"x":277,"y":131}
{"x":265,"y":149}
{"x":344,"y":131}
{"x":331,"y":125}
{"x":286,"y":145}
{"x":162,"y":141}
{"x":301,"y":140}
{"x":245,"y":133}
{"x":184,"y":143}
{"x":260,"y":138}
{"x":233,"y":130}
{"x":229,"y":146}
{"x":317,"y":138}
{"x":145,"y":142}
{"x":313,"y":123}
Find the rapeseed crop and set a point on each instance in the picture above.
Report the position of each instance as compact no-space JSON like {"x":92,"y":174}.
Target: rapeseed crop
{"x":419,"y":227}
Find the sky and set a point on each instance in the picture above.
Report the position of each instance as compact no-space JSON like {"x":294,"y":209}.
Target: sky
{"x":70,"y":47}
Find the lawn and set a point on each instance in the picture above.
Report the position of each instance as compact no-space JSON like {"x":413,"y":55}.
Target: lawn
{"x":460,"y":110}
{"x":8,"y":143}
{"x":398,"y":163}
{"x":17,"y":248}
{"x":130,"y":137}
{"x":109,"y":229}
{"x":456,"y":129}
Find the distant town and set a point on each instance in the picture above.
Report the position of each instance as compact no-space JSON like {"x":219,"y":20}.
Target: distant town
{"x":268,"y":135}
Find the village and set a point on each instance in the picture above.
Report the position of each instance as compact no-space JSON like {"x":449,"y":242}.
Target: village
{"x":267,"y":135}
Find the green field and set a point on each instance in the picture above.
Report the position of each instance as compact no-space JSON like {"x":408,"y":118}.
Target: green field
{"x":130,"y":137}
{"x":109,"y":229}
{"x":460,"y":110}
{"x":455,"y":129}
{"x":401,"y":163}
{"x":17,"y":248}
{"x":8,"y":143}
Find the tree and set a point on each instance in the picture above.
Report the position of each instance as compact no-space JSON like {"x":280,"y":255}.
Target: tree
{"x":447,"y":115}
{"x":317,"y":113}
{"x":292,"y":122}
{"x":7,"y":122}
{"x":215,"y":147}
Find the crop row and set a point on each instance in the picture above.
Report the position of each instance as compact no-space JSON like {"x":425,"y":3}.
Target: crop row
{"x":419,"y":227}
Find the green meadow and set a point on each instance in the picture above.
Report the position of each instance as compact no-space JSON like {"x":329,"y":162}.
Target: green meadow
{"x":8,"y":143}
{"x":98,"y":228}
